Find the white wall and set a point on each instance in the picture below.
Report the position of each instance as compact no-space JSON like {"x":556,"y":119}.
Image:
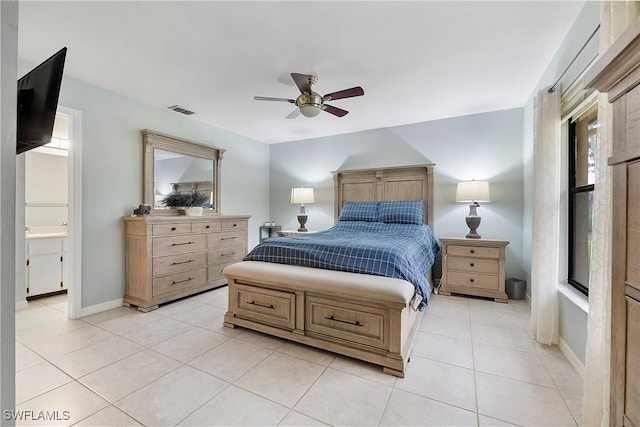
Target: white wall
{"x":481,"y":146}
{"x":46,"y":182}
{"x":112,"y":175}
{"x":573,"y":320}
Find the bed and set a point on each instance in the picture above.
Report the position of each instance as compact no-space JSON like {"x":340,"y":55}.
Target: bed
{"x":364,"y":301}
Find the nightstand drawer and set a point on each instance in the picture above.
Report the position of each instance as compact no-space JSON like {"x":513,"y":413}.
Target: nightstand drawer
{"x":484,"y":281}
{"x":347,"y":321}
{"x":265,"y":305}
{"x":474,"y":265}
{"x":473,"y":251}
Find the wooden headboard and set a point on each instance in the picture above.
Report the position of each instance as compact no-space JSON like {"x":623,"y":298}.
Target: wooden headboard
{"x":385,"y":184}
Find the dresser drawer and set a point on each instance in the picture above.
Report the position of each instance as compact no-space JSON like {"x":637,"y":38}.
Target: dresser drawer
{"x":484,"y":281}
{"x":226,"y":238}
{"x":474,"y":265}
{"x":234,"y":225}
{"x":172,"y":264}
{"x":205,"y":227}
{"x":177,"y":244}
{"x":168,"y":229}
{"x":346,"y":321}
{"x":225,"y":255}
{"x":276,"y":308}
{"x":179,"y":281}
{"x":214,"y":272}
{"x":473,"y":251}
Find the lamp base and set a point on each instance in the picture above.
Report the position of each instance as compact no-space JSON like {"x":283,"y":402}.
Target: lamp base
{"x":473,"y":222}
{"x":302,"y":219}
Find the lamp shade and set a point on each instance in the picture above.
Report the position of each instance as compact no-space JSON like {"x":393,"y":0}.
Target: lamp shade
{"x":473,"y":191}
{"x":302,"y":195}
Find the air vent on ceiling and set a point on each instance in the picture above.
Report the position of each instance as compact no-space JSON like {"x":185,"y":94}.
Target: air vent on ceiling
{"x":179,"y":109}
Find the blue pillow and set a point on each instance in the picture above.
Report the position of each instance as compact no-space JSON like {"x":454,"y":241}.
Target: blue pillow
{"x":359,"y":211}
{"x":405,"y":212}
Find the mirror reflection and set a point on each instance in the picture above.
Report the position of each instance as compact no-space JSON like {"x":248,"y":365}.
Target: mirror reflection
{"x":176,"y":172}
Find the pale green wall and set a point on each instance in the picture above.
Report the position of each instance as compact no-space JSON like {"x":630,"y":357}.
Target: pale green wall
{"x":481,"y":146}
{"x":112,"y":176}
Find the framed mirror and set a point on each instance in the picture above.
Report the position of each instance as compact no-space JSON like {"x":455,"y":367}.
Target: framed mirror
{"x":176,"y":164}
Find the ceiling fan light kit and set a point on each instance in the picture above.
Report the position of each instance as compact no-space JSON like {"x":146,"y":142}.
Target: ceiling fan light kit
{"x":310,"y":103}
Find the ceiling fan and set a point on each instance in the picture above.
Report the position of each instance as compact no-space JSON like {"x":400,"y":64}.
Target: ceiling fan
{"x":310,"y":103}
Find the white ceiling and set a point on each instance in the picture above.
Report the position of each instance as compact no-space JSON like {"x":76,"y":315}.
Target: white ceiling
{"x":417,"y":61}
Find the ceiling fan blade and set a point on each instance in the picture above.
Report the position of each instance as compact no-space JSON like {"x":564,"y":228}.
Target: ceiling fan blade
{"x":302,"y":81}
{"x":347,"y":93}
{"x":295,"y":113}
{"x":335,"y":110}
{"x":269,"y":98}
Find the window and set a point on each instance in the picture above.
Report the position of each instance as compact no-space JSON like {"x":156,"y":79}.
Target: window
{"x":582,"y":143}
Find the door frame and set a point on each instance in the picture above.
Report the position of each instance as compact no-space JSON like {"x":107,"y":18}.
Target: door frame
{"x":74,"y":287}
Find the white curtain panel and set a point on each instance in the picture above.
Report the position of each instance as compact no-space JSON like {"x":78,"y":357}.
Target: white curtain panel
{"x":615,"y":17}
{"x":546,"y":217}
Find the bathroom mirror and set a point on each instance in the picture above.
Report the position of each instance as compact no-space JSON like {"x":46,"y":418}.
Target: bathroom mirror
{"x":176,"y":164}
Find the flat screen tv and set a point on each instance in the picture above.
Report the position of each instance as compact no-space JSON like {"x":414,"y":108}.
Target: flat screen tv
{"x":38,"y":93}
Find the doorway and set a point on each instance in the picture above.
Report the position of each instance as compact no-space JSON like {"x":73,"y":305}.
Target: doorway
{"x":53,"y":214}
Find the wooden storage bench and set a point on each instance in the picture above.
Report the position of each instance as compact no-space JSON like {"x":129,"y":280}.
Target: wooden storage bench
{"x":359,"y":315}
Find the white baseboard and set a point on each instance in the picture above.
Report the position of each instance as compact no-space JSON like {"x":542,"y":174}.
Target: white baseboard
{"x":94,"y":309}
{"x":21,"y":305}
{"x":571,"y":357}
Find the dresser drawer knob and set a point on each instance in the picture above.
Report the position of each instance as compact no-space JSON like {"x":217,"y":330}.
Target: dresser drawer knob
{"x":473,"y":251}
{"x":471,"y":280}
{"x":473,"y":265}
{"x":208,"y":226}
{"x":173,"y":229}
{"x":235,"y":225}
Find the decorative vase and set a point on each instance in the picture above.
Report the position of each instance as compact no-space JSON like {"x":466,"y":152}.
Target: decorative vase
{"x":193,"y":211}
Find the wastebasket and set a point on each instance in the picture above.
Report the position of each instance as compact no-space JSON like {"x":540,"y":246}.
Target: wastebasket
{"x":515,"y":288}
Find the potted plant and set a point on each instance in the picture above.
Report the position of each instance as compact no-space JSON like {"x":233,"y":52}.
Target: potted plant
{"x":191,"y":202}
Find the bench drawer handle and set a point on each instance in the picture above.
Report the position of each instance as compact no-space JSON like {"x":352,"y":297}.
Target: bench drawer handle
{"x":356,"y":323}
{"x":261,"y":305}
{"x":182,"y":281}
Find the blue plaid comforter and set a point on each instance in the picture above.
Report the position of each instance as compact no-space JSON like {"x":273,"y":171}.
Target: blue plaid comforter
{"x":403,"y":251}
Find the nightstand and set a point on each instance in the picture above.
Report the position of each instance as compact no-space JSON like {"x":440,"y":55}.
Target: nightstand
{"x":267,"y":231}
{"x":283,"y":233}
{"x":473,"y":267}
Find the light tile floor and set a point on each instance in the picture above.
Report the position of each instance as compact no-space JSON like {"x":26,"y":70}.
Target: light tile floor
{"x":473,"y":364}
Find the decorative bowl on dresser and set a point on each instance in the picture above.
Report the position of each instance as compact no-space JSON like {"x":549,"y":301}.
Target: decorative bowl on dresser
{"x":170,"y":257}
{"x":473,"y":267}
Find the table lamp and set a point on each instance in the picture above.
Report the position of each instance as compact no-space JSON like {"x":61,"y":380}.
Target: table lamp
{"x":473,"y":192}
{"x":302,"y":195}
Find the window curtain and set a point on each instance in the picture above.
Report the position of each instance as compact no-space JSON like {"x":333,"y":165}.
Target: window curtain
{"x":546,"y":217}
{"x":615,"y":17}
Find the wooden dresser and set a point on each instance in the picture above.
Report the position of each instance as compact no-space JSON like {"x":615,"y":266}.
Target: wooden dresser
{"x":473,"y":267}
{"x":617,"y":73}
{"x":170,"y":257}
